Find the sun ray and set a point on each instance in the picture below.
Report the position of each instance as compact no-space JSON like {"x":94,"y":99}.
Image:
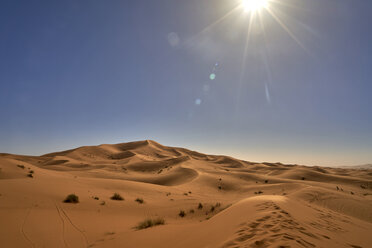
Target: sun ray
{"x":266,"y":63}
{"x":286,"y":4}
{"x":210,"y":26}
{"x":281,"y":23}
{"x":242,"y":71}
{"x":219,"y":20}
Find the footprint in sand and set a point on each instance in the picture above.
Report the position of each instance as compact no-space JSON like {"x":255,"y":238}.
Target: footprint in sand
{"x":276,"y":227}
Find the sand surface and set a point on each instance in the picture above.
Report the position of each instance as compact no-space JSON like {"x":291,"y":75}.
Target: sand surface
{"x":244,"y":204}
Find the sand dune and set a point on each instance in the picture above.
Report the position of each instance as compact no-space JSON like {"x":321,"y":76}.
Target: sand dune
{"x":242,"y":204}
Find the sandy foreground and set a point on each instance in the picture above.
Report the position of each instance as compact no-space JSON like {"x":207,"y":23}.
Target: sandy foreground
{"x":243,"y":204}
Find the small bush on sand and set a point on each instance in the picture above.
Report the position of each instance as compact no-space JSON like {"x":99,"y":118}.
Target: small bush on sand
{"x":72,"y":198}
{"x":182,"y":213}
{"x":117,"y":197}
{"x":30,"y":175}
{"x":200,"y":206}
{"x":31,"y":172}
{"x":140,"y":200}
{"x":192,"y":211}
{"x":150,"y":223}
{"x":20,"y":166}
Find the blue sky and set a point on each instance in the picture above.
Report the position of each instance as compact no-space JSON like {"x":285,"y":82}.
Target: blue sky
{"x":76,"y":73}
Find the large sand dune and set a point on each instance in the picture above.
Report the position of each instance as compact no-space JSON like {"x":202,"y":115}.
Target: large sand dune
{"x":243,"y":204}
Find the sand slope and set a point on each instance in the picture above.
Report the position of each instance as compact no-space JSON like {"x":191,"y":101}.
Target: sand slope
{"x":244,"y":204}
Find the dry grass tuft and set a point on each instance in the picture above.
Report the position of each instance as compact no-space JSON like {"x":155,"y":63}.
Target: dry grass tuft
{"x":72,"y":198}
{"x":117,"y":197}
{"x":182,"y":213}
{"x":150,"y":223}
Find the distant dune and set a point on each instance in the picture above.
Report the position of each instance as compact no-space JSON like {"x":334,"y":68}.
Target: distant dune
{"x":186,"y":198}
{"x":363,"y":166}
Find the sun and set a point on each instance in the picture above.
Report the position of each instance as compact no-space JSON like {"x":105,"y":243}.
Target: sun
{"x":254,"y":5}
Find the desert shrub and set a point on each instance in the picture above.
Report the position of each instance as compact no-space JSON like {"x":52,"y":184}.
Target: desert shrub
{"x":212,"y":208}
{"x":72,"y":198}
{"x":30,"y":175}
{"x":95,"y":198}
{"x":31,"y":172}
{"x":182,"y":213}
{"x":140,"y":200}
{"x":192,"y":211}
{"x":219,"y":187}
{"x":150,"y":223}
{"x":117,"y":197}
{"x":20,"y":166}
{"x":200,"y":206}
{"x":266,"y":181}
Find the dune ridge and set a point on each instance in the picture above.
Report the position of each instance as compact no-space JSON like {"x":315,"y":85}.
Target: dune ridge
{"x":244,"y":204}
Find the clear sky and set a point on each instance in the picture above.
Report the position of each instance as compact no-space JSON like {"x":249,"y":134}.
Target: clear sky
{"x":184,"y":73}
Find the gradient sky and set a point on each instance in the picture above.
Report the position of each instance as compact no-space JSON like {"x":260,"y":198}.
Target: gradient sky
{"x":76,"y":73}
